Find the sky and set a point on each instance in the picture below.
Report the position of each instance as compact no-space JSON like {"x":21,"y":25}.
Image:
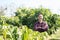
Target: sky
{"x":53,"y":5}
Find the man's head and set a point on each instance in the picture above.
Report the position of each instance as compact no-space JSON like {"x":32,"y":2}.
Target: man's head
{"x":40,"y":17}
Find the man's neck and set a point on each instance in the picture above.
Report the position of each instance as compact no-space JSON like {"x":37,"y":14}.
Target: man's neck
{"x":40,"y":21}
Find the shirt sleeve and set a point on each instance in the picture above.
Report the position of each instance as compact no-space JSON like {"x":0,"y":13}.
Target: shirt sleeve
{"x":35,"y":26}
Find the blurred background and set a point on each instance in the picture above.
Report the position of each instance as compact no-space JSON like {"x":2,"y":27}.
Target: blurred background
{"x":12,"y":5}
{"x":17,"y":19}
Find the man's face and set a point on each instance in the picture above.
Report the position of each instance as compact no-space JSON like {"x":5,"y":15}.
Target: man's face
{"x":40,"y":17}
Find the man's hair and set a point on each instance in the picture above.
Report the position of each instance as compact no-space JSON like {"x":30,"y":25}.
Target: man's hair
{"x":40,"y":14}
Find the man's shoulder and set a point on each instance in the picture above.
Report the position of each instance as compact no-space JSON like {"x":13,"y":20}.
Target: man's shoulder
{"x":36,"y":22}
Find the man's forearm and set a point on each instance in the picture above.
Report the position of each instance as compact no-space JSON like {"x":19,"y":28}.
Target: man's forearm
{"x":36,"y":28}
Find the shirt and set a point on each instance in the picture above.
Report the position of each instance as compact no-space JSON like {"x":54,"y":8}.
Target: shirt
{"x":43,"y":25}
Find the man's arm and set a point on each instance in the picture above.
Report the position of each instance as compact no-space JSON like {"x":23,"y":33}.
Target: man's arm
{"x":35,"y":27}
{"x":45,"y":26}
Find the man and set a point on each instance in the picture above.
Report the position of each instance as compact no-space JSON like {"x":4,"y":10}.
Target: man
{"x":40,"y":25}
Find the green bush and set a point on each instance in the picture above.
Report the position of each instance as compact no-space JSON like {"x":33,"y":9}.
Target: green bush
{"x":29,"y":17}
{"x":13,"y":28}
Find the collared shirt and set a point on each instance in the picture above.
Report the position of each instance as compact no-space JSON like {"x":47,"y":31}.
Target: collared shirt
{"x":43,"y":25}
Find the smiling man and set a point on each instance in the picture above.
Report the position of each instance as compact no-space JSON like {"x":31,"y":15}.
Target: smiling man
{"x":40,"y":25}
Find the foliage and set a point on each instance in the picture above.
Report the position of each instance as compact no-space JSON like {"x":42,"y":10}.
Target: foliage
{"x":29,"y":17}
{"x":13,"y":28}
{"x":14,"y":33}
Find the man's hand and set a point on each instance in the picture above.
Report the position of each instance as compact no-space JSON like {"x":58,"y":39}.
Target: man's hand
{"x":38,"y":27}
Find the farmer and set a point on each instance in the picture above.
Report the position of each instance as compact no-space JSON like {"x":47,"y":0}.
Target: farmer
{"x":40,"y":25}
